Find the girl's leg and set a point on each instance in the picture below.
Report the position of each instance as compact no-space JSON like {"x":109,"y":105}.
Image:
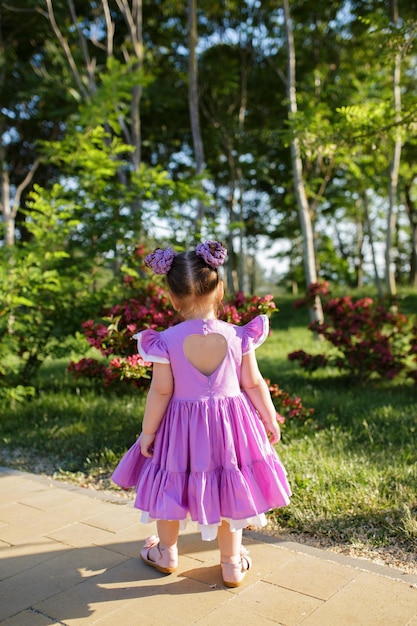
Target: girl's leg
{"x":168,"y":532}
{"x":234,"y":564}
{"x":229,"y":543}
{"x":162,"y":553}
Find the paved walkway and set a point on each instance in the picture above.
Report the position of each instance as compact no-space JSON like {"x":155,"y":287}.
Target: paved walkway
{"x":70,"y":556}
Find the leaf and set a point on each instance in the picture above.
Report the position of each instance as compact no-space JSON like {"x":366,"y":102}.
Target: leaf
{"x":22,"y":301}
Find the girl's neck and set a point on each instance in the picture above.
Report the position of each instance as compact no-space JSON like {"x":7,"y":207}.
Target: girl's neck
{"x":205,"y":309}
{"x":199,"y":315}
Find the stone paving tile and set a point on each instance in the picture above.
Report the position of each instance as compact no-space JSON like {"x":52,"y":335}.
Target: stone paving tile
{"x":184,"y":604}
{"x":190,"y":543}
{"x":301,"y":573}
{"x":231,"y":615}
{"x":16,"y":512}
{"x":282,"y":606}
{"x":51,"y":577}
{"x":26,"y":485}
{"x":80,"y":535}
{"x":264,"y":560}
{"x":208,"y":573}
{"x":7,"y":497}
{"x":3,"y":544}
{"x":16,"y":559}
{"x":70,"y":557}
{"x":368,"y":600}
{"x":154,"y":598}
{"x":128,"y":541}
{"x":29,"y":618}
{"x":37,"y":522}
{"x":113,"y":520}
{"x":51,"y":499}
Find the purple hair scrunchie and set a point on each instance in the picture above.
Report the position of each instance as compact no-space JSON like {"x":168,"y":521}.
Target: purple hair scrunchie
{"x":213,"y":253}
{"x":160,"y":261}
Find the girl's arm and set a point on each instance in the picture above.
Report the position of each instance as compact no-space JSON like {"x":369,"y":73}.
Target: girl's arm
{"x":159,"y":395}
{"x":253,"y":383}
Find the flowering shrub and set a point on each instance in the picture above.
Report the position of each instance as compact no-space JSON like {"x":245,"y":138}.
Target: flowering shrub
{"x":413,"y":353}
{"x":150,"y":308}
{"x":315,"y":289}
{"x":288,"y":406}
{"x":112,"y":336}
{"x":240,"y":310}
{"x":370,"y":338}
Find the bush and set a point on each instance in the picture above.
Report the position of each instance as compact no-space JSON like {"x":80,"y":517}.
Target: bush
{"x":372,"y":338}
{"x":150,"y":308}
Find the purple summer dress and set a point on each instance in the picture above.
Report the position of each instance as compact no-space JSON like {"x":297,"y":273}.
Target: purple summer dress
{"x":212,"y":460}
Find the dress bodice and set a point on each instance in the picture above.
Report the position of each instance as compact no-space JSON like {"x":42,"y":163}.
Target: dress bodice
{"x":190,"y":383}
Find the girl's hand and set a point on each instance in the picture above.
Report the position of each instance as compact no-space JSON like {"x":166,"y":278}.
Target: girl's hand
{"x":272,"y":430}
{"x":146,"y":446}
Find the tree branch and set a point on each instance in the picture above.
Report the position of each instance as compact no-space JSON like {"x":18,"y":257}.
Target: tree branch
{"x":110,"y":27}
{"x":90,"y":63}
{"x":20,"y":188}
{"x":66,"y":49}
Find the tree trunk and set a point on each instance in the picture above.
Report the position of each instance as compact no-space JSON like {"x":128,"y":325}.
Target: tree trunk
{"x":372,"y":244}
{"x":242,"y":255}
{"x":412,"y":216}
{"x":8,"y":217}
{"x":394,"y":169}
{"x":242,"y":114}
{"x":85,"y":78}
{"x":231,"y":282}
{"x":137,"y":39}
{"x":359,"y":252}
{"x":316,"y":311}
{"x":9,"y":207}
{"x":134,"y":21}
{"x":193,"y":104}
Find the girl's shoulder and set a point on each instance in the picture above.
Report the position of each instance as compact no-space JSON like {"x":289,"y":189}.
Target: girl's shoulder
{"x":254,"y":333}
{"x":152,"y":346}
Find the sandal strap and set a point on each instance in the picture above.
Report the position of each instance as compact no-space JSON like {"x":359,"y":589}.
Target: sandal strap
{"x":234,"y":573}
{"x":247,"y":560}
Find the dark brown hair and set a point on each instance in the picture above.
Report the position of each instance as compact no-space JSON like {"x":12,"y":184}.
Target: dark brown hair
{"x":191,"y":276}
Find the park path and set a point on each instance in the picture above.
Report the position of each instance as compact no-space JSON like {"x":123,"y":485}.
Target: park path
{"x":70,"y":556}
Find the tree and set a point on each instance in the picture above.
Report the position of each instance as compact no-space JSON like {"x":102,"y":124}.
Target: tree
{"x":86,"y":73}
{"x":316,"y":312}
{"x":108,"y":53}
{"x":395,"y":161}
{"x":27,"y":114}
{"x":193,"y":103}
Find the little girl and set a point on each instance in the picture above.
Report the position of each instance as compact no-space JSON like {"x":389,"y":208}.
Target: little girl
{"x":205,"y":451}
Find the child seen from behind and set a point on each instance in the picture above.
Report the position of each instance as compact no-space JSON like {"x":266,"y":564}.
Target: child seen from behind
{"x":205,"y":452}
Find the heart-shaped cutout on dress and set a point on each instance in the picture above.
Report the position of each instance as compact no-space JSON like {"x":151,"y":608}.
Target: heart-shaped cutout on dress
{"x":205,"y":352}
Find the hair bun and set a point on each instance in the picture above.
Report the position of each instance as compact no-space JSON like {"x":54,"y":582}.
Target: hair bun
{"x":213,"y":252}
{"x":160,"y":261}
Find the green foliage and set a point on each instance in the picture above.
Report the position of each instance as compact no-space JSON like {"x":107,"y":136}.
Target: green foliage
{"x":112,"y":100}
{"x":113,"y":201}
{"x":42,"y":297}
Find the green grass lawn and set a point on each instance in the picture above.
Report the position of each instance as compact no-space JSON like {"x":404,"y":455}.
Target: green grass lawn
{"x":353,"y":466}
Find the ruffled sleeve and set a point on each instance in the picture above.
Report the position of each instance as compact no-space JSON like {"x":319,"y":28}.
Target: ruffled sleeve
{"x":254,"y":333}
{"x":151,"y":346}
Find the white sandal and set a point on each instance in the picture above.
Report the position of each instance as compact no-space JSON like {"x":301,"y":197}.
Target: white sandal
{"x":234,"y":573}
{"x":166,"y":560}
